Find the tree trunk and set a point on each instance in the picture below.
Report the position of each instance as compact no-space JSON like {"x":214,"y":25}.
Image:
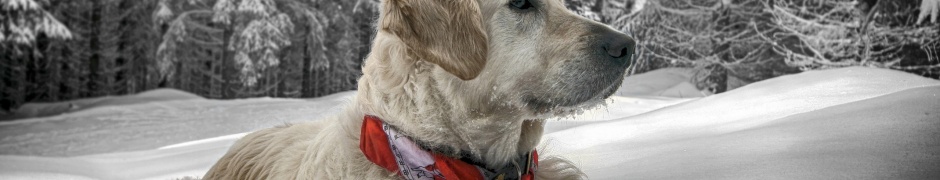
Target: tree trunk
{"x":20,"y":80}
{"x":124,"y":77}
{"x":227,"y":67}
{"x":69,"y":83}
{"x":33,"y":83}
{"x":14,"y":79}
{"x":5,"y":79}
{"x":283,"y":72}
{"x":52,"y":78}
{"x":177,"y":81}
{"x":306,"y":90}
{"x":317,"y":86}
{"x":94,"y":45}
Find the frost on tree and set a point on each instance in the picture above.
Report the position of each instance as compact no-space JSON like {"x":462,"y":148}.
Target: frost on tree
{"x":929,"y":8}
{"x":250,"y":33}
{"x":261,"y":47}
{"x":23,"y":20}
{"x":834,"y":34}
{"x":745,"y":41}
{"x":260,"y":30}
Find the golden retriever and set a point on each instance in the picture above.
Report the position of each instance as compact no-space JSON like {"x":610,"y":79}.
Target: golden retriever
{"x":471,"y":80}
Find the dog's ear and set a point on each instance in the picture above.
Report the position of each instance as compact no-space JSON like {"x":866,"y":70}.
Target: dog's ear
{"x":448,"y":33}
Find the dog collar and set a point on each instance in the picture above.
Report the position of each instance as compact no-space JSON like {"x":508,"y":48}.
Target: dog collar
{"x":384,"y":146}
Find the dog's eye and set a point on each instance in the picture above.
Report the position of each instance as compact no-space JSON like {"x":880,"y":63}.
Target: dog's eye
{"x":520,"y":4}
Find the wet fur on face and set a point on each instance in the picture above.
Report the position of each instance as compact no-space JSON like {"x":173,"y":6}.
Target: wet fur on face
{"x":466,"y":78}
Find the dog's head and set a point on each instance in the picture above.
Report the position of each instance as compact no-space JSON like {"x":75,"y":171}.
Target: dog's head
{"x":481,"y":68}
{"x":531,"y":53}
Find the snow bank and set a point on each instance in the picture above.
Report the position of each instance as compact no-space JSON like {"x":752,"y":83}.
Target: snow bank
{"x":144,"y":126}
{"x":773,"y":129}
{"x":852,"y":123}
{"x":34,"y":110}
{"x":666,"y":82}
{"x":164,"y":163}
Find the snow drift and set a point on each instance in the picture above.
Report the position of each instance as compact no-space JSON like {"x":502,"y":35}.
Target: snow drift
{"x":666,"y":82}
{"x":34,"y":110}
{"x":851,"y":123}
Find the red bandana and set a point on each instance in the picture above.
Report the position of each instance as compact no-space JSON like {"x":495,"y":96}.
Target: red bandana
{"x":385,"y":147}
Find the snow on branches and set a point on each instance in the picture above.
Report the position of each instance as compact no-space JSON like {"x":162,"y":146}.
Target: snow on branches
{"x":255,"y":47}
{"x":712,"y":36}
{"x":261,"y":30}
{"x":254,"y":31}
{"x":753,"y":40}
{"x":836,"y":33}
{"x":929,"y":8}
{"x":24,"y":20}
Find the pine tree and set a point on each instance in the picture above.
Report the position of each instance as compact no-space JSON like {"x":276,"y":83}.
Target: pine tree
{"x":22,"y":24}
{"x":215,"y":48}
{"x":191,"y":55}
{"x":245,"y":37}
{"x":24,"y":20}
{"x":136,"y":46}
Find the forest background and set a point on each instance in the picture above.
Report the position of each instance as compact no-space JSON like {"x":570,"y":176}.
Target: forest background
{"x":55,"y":50}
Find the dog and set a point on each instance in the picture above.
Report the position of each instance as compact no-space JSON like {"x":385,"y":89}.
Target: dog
{"x":467,"y":83}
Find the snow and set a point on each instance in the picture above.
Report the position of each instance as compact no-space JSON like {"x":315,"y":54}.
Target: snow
{"x":142,"y":126}
{"x":850,"y":123}
{"x":33,"y":110}
{"x":666,"y":82}
{"x":845,"y":124}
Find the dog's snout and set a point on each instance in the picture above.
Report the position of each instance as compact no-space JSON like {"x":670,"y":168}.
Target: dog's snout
{"x":618,"y":46}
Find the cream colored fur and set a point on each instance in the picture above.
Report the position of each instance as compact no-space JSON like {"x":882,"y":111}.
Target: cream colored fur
{"x":419,"y":87}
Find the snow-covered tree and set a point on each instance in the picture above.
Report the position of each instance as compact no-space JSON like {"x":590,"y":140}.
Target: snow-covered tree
{"x":714,"y":37}
{"x":734,"y":42}
{"x":215,"y":48}
{"x":835,"y":33}
{"x":22,"y":20}
{"x":260,"y":31}
{"x":191,"y":53}
{"x":22,"y":24}
{"x":264,"y":47}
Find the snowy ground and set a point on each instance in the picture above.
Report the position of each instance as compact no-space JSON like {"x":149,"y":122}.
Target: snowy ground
{"x":853,"y":123}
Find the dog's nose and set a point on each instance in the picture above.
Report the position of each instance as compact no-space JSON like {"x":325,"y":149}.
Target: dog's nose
{"x":618,"y":46}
